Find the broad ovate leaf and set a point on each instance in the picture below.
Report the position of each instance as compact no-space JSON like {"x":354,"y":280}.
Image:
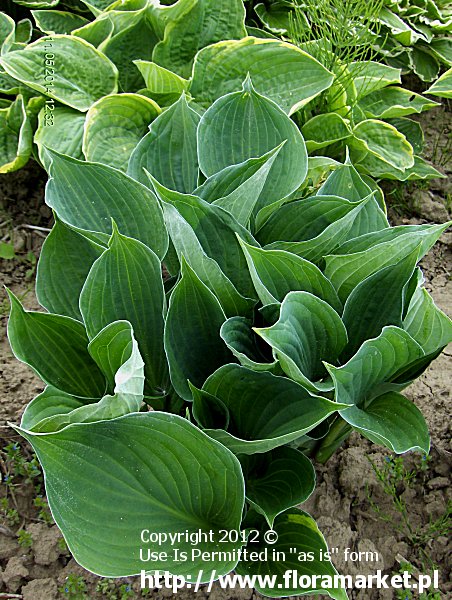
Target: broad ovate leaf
{"x":89,"y":195}
{"x":165,"y":476}
{"x":243,"y":125}
{"x":110,"y":294}
{"x":114,"y":126}
{"x":60,"y":129}
{"x":442,"y":86}
{"x":394,"y":102}
{"x":307,"y":332}
{"x":65,"y":260}
{"x":168,"y":151}
{"x":242,"y":341}
{"x":56,"y":347}
{"x":75,"y":87}
{"x":280,"y":71}
{"x":266,"y":411}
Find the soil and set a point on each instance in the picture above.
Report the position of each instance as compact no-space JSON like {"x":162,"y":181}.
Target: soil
{"x":350,"y":504}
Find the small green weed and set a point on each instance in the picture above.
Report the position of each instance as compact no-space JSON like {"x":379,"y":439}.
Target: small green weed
{"x":74,"y":588}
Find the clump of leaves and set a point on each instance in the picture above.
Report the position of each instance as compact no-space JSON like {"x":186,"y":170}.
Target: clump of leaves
{"x":141,"y":57}
{"x":284,"y":324}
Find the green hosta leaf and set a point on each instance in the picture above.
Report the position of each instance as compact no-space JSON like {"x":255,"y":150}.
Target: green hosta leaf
{"x":37,"y":3}
{"x":216,"y":231}
{"x":112,"y":347}
{"x":370,"y":76}
{"x":242,"y":341}
{"x":399,"y":28}
{"x":168,"y":151}
{"x":159,"y":80}
{"x":114,"y":126}
{"x":203,"y":23}
{"x":365,"y":216}
{"x":275,"y":273}
{"x":230,"y":179}
{"x":187,"y":245}
{"x":50,"y":402}
{"x":298,"y":537}
{"x":319,"y":168}
{"x":384,"y":142}
{"x":241,"y":202}
{"x":427,"y":324}
{"x":323,"y":130}
{"x":133,"y":38}
{"x":307,"y":332}
{"x":125,"y":283}
{"x":377,"y":301}
{"x":442,"y":47}
{"x":302,"y":220}
{"x":345,"y":271}
{"x":195,"y":350}
{"x":412,"y":130}
{"x":65,"y":260}
{"x":442,"y":86}
{"x":369,"y":240}
{"x":394,"y":102}
{"x":243,"y":125}
{"x":280,"y":71}
{"x":277,"y":481}
{"x":77,"y":88}
{"x":60,"y":129}
{"x":345,"y":182}
{"x":266,"y":411}
{"x":57,"y":21}
{"x":7,"y":32}
{"x":377,"y":362}
{"x":165,"y":476}
{"x":88,"y":196}
{"x":393,"y":421}
{"x":16,"y":136}
{"x":56,"y":347}
{"x":128,"y":382}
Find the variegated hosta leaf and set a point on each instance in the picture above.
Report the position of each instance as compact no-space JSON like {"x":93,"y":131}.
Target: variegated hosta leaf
{"x":370,"y":76}
{"x":57,"y":21}
{"x":197,"y":25}
{"x":88,"y":196}
{"x":159,"y":80}
{"x":442,"y":86}
{"x":307,"y":332}
{"x":377,"y":410}
{"x":266,"y":411}
{"x":168,"y":151}
{"x":165,"y":476}
{"x":243,"y":125}
{"x":195,"y":350}
{"x":280,"y":71}
{"x":59,"y":129}
{"x":16,"y":136}
{"x":323,"y":130}
{"x":296,"y":532}
{"x":110,"y":293}
{"x":114,"y":126}
{"x":72,"y":86}
{"x":383,"y":143}
{"x":394,"y":102}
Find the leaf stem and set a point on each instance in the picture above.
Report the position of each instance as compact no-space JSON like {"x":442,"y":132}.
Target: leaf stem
{"x":338,"y":433}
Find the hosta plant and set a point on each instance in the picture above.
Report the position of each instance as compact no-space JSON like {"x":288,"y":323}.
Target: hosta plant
{"x":179,"y":398}
{"x":140,"y":56}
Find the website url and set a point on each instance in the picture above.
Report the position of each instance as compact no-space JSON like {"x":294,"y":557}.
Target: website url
{"x":290,"y":580}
